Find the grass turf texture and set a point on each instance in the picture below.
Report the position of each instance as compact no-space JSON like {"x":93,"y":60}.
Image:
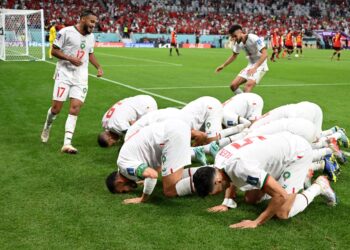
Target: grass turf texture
{"x":52,"y":200}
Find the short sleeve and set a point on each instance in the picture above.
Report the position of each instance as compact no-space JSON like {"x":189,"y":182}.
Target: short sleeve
{"x":92,"y":45}
{"x":60,"y":39}
{"x":251,"y":173}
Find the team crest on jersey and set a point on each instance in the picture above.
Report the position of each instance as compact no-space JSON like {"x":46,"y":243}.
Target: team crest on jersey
{"x":208,"y":125}
{"x":163,"y":159}
{"x":82,"y":45}
{"x":286,"y":175}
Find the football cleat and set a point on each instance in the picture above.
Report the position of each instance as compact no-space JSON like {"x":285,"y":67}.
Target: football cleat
{"x":45,"y":134}
{"x":343,"y":140}
{"x":200,"y":155}
{"x":331,"y":167}
{"x":69,"y":149}
{"x":327,"y":191}
{"x":339,"y":155}
{"x":214,"y":148}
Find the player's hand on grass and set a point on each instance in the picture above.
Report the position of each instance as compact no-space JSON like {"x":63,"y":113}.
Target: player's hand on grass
{"x":99,"y":72}
{"x":75,"y":61}
{"x":218,"y":69}
{"x":251,"y":71}
{"x":137,"y":200}
{"x":219,"y":208}
{"x":245,"y":224}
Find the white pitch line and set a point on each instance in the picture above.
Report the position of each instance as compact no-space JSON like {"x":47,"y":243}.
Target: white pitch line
{"x":137,"y":65}
{"x":139,"y":59}
{"x":133,"y":88}
{"x":264,"y":85}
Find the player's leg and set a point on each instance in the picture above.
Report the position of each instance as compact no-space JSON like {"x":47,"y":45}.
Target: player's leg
{"x":237,"y":82}
{"x":338,"y":55}
{"x":59,"y":96}
{"x":177,"y":50}
{"x":77,"y":97}
{"x":50,"y":50}
{"x":249,"y":85}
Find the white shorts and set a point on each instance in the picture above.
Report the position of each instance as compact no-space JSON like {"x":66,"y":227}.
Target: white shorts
{"x":257,"y":76}
{"x":213,"y":123}
{"x":297,"y":126}
{"x":293,"y":177}
{"x":62,"y":91}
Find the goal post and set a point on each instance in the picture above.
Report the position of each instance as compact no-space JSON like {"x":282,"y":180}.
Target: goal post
{"x":22,"y":36}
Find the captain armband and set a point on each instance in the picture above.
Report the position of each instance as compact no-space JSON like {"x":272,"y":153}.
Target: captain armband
{"x":139,"y":171}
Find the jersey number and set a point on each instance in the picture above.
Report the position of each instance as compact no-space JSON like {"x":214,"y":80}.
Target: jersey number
{"x":80,"y":54}
{"x":110,"y":112}
{"x":60,"y":91}
{"x":247,"y":141}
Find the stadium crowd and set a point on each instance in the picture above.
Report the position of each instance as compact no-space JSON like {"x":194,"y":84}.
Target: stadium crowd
{"x":200,"y":16}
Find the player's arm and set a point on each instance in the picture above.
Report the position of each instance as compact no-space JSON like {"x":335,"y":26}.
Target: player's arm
{"x":261,"y":60}
{"x":278,"y":198}
{"x":93,"y":61}
{"x":227,"y":62}
{"x":58,"y":53}
{"x":150,"y":175}
{"x":230,"y":195}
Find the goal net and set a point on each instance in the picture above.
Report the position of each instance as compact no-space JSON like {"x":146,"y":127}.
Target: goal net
{"x":22,"y":36}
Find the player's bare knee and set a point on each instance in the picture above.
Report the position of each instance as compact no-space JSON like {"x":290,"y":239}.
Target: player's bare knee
{"x":282,"y":214}
{"x":74,"y":110}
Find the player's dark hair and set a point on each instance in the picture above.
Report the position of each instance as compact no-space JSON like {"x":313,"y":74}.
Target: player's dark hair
{"x":204,"y":180}
{"x":101,"y":139}
{"x":234,"y":28}
{"x":110,"y":180}
{"x":85,"y":13}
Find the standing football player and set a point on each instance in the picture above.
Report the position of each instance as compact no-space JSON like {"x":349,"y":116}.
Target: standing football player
{"x":336,"y":45}
{"x":74,"y":47}
{"x":257,"y":59}
{"x":52,"y":37}
{"x":173,"y":43}
{"x":299,"y":41}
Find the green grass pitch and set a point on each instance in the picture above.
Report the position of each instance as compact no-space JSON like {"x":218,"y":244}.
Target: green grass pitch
{"x":50,"y":200}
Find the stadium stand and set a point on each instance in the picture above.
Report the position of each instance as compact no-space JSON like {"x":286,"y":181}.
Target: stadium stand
{"x":202,"y":17}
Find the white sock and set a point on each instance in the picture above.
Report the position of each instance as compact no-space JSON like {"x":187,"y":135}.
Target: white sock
{"x":49,"y":118}
{"x":327,"y":132}
{"x":238,"y":91}
{"x":184,"y":187}
{"x":225,"y":141}
{"x":320,"y":144}
{"x":317,"y":165}
{"x":304,"y":199}
{"x":319,"y":154}
{"x":70,"y":127}
{"x":231,"y":131}
{"x":189,"y":172}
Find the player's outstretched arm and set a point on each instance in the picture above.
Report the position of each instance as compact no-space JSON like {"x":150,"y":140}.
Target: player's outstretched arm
{"x":56,"y":52}
{"x":93,"y":61}
{"x":279,"y":197}
{"x":227,"y":62}
{"x":149,"y":184}
{"x":228,"y":202}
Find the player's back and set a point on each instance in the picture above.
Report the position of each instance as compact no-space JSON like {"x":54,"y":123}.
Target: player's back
{"x":272,"y":153}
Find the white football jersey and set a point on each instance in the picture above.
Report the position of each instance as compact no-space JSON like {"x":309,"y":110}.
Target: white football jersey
{"x":246,"y":105}
{"x":205,"y":113}
{"x":248,"y":162}
{"x":119,"y":117}
{"x":74,"y":44}
{"x":157,"y":116}
{"x":163,"y":144}
{"x":252,"y":47}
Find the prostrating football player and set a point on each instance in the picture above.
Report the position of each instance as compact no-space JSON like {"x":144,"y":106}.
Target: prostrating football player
{"x":257,"y":59}
{"x":274,"y":165}
{"x":118,"y":119}
{"x":74,"y":47}
{"x":242,"y":109}
{"x":160,"y":148}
